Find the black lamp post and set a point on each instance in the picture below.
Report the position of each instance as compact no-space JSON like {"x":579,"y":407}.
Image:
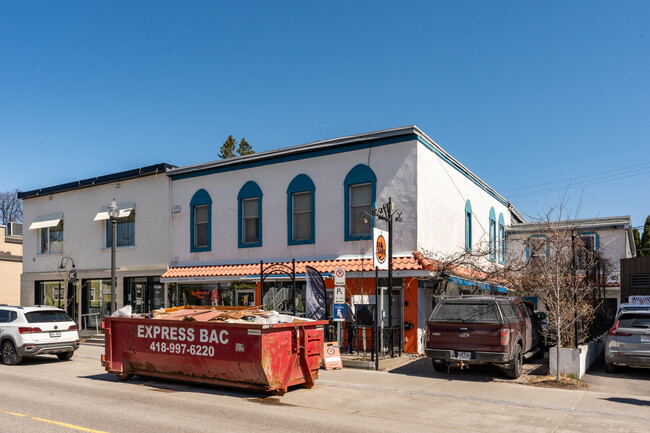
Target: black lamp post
{"x":113,"y":213}
{"x":69,"y":272}
{"x":387,"y":213}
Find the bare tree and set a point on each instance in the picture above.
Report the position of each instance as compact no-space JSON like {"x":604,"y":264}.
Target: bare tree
{"x":11,"y":208}
{"x":552,"y":262}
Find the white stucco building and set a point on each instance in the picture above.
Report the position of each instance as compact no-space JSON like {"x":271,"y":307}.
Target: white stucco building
{"x":304,"y":203}
{"x":68,"y":224}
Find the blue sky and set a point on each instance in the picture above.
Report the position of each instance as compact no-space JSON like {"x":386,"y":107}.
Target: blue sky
{"x":521,"y":93}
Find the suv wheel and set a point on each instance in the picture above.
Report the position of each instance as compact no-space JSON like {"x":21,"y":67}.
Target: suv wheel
{"x":64,"y":356}
{"x":515,"y":367}
{"x":609,"y":367}
{"x":9,"y":354}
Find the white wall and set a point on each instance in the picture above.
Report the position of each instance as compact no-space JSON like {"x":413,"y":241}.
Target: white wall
{"x":395,"y":168}
{"x":83,"y":237}
{"x":442,"y":193}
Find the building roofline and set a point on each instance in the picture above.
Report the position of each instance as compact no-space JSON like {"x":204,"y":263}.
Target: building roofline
{"x":615,"y":222}
{"x":99,"y":180}
{"x":316,"y":146}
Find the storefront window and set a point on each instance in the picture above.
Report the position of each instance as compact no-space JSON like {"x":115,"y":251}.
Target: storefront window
{"x":99,"y":300}
{"x":52,"y":293}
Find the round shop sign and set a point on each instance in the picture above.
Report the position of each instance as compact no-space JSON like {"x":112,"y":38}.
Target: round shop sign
{"x":380,"y":249}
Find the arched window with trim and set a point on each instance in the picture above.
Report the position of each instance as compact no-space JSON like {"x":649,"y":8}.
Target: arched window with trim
{"x":200,"y":222}
{"x":468,"y":226}
{"x":301,"y":211}
{"x":502,"y":239}
{"x":537,"y":249}
{"x":249,"y":217}
{"x":493,"y":235}
{"x":360,"y":188}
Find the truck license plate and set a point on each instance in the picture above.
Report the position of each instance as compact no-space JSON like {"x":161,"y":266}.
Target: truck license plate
{"x":464,"y":355}
{"x":55,"y":334}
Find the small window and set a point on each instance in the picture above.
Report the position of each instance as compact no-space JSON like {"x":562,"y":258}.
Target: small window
{"x":300,"y":211}
{"x":7,"y":316}
{"x":468,"y":226}
{"x":200,"y":221}
{"x":537,"y":249}
{"x":201,"y":226}
{"x":360,"y":203}
{"x":510,"y":311}
{"x":51,"y":239}
{"x":249,"y":227}
{"x":359,"y":195}
{"x":125,"y":232}
{"x":493,"y":236}
{"x":475,"y":312}
{"x":250,"y":214}
{"x":301,"y":216}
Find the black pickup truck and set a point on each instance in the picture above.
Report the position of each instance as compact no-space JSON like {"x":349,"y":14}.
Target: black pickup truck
{"x":500,"y":330}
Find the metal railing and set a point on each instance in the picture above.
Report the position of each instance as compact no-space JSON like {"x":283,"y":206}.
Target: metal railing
{"x":85,"y":321}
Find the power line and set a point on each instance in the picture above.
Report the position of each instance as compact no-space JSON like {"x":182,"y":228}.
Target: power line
{"x":605,"y":179}
{"x":643,"y":167}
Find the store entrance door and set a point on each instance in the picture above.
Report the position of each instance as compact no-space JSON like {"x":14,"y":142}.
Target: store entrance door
{"x":144,"y":294}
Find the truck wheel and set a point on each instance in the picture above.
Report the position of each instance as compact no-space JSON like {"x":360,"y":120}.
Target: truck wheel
{"x":440,"y":367}
{"x":64,"y":356}
{"x":515,"y":367}
{"x":9,"y":354}
{"x":609,"y":367}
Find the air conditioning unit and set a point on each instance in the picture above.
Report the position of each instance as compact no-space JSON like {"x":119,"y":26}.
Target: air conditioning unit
{"x":15,"y":229}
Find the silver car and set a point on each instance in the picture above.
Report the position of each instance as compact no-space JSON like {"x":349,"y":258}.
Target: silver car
{"x":628,"y":342}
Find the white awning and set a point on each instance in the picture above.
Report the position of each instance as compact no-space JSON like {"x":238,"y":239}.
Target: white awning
{"x":125,"y":211}
{"x":51,"y":220}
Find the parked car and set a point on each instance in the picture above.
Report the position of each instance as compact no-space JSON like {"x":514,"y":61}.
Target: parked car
{"x":36,"y":330}
{"x":628,"y":342}
{"x":470,"y":330}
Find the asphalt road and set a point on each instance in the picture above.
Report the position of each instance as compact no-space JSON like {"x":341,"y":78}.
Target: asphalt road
{"x":47,"y":395}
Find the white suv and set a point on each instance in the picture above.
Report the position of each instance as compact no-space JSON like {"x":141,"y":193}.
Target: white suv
{"x":36,"y":331}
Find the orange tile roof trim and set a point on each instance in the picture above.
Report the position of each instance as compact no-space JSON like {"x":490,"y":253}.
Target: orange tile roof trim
{"x":322,"y":266}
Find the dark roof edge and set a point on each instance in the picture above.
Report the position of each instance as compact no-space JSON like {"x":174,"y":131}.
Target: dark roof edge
{"x":299,"y":149}
{"x":99,"y":180}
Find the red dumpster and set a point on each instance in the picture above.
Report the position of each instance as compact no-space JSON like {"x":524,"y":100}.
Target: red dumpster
{"x":244,"y":355}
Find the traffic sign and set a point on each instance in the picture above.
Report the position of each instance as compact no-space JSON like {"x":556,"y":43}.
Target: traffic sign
{"x":339,"y":312}
{"x":339,"y":277}
{"x":339,"y":295}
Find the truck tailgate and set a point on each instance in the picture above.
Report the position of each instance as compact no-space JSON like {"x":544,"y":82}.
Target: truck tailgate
{"x":484,"y":337}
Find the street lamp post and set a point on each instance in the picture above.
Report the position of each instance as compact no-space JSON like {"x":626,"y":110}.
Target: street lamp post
{"x":387,"y":213}
{"x":70,"y":276}
{"x":113,"y":213}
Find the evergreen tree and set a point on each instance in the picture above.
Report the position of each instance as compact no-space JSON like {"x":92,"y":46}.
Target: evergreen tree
{"x":244,"y":148}
{"x":644,"y":245}
{"x":228,"y":148}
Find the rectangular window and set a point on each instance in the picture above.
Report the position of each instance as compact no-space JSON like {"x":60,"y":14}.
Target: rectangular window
{"x":125,"y":231}
{"x":502,"y":243}
{"x":468,"y":231}
{"x":250,"y":223}
{"x":51,"y":239}
{"x":537,"y":249}
{"x":301,"y":216}
{"x":493,"y":237}
{"x":360,"y":202}
{"x":201,"y":226}
{"x":51,"y":293}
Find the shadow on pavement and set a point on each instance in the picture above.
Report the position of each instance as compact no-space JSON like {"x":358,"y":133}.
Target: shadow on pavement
{"x":171,"y":386}
{"x":423,"y":367}
{"x":598,"y":370}
{"x":624,"y":400}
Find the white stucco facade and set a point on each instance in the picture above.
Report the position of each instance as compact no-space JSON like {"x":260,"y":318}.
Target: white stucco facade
{"x":84,"y":237}
{"x":428,"y":186}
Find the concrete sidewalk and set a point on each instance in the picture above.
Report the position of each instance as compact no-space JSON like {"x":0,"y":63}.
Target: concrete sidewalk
{"x":630,"y":407}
